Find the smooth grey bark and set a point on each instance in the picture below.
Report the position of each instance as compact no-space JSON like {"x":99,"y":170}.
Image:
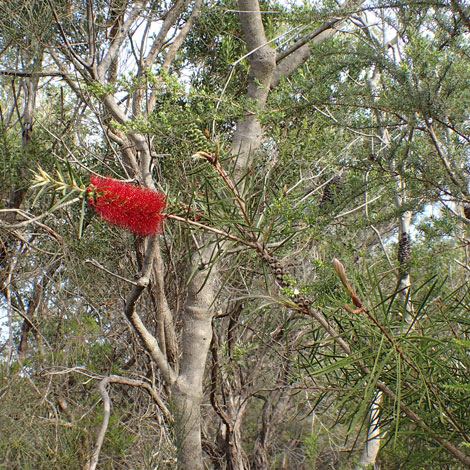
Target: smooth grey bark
{"x":374,"y":436}
{"x":185,"y":385}
{"x":262,"y":60}
{"x":296,"y":55}
{"x":187,"y":392}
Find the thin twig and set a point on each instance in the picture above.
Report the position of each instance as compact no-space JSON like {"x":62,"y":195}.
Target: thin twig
{"x":18,"y":73}
{"x":383,"y":247}
{"x":30,"y":219}
{"x":358,"y":207}
{"x":442,"y":155}
{"x":461,"y":264}
{"x":100,"y":266}
{"x":211,"y":229}
{"x":147,"y":338}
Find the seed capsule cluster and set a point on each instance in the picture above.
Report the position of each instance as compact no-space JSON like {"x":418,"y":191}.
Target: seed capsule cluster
{"x":279,"y":273}
{"x":404,"y":251}
{"x":302,"y":301}
{"x":330,"y":191}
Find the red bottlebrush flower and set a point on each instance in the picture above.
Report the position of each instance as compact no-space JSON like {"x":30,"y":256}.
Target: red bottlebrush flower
{"x":136,"y":209}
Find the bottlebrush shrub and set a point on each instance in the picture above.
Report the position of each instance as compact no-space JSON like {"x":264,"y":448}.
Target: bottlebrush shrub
{"x":136,"y":209}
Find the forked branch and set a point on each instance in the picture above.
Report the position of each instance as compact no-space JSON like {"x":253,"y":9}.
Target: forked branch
{"x":107,"y":409}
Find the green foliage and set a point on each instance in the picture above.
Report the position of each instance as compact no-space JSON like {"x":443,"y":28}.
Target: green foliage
{"x":324,"y":121}
{"x":100,"y":90}
{"x":312,"y":451}
{"x":11,"y":160}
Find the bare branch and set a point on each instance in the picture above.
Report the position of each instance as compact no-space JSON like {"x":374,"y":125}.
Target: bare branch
{"x":169,"y":21}
{"x":107,"y":409}
{"x":443,"y":157}
{"x":19,"y":73}
{"x":213,"y":230}
{"x":358,"y":207}
{"x":182,"y":36}
{"x":104,"y":426}
{"x":146,"y":386}
{"x":332,"y":24}
{"x":168,"y":340}
{"x":147,"y":338}
{"x":91,"y":33}
{"x":30,"y":219}
{"x":295,"y":56}
{"x":121,"y":35}
{"x":107,"y":271}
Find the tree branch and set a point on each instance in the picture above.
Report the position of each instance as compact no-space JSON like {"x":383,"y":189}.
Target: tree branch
{"x":104,"y":425}
{"x":443,"y":157}
{"x":147,"y":338}
{"x":332,"y":24}
{"x":262,"y":60}
{"x":19,"y":73}
{"x":182,"y":36}
{"x":107,"y":409}
{"x":295,"y":56}
{"x":115,"y":46}
{"x":169,"y":21}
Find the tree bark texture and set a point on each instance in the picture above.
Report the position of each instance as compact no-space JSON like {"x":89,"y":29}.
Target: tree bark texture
{"x":197,"y":323}
{"x":262,"y":60}
{"x":196,"y":339}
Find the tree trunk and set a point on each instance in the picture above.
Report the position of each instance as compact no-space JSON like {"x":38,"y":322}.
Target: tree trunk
{"x":198,"y":312}
{"x":187,"y":391}
{"x":374,"y":437}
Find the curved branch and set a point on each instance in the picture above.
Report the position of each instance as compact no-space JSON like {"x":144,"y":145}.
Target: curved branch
{"x":168,"y":23}
{"x":182,"y":35}
{"x":20,"y":73}
{"x":295,"y":56}
{"x":107,"y":409}
{"x":104,"y":425}
{"x":147,"y":338}
{"x":262,"y":60}
{"x":115,"y":47}
{"x":332,"y":24}
{"x":442,"y":156}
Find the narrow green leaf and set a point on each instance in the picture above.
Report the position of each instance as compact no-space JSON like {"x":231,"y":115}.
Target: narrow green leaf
{"x":82,"y":218}
{"x":67,"y":197}
{"x":38,"y":195}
